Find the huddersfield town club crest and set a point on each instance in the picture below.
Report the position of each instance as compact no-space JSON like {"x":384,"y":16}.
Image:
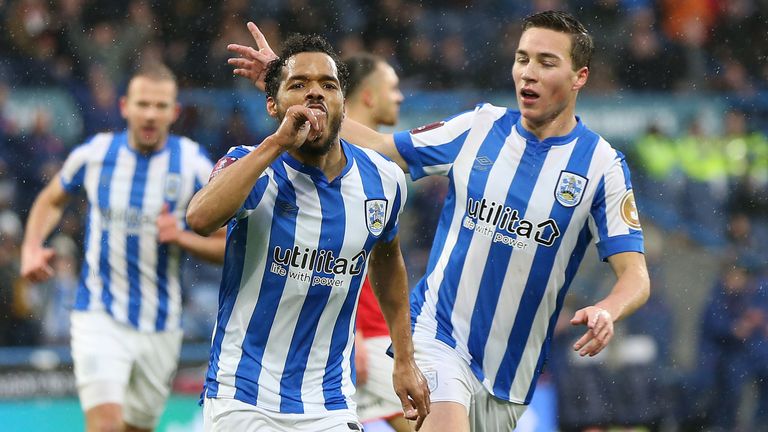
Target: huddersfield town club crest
{"x":375,"y":211}
{"x":172,"y":186}
{"x":570,"y":188}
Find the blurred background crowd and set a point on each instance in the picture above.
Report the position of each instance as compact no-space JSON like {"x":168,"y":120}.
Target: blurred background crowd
{"x":702,"y":184}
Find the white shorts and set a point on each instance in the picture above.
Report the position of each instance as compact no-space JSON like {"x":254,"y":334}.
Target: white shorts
{"x":115,"y":363}
{"x":451,"y":380}
{"x":225,"y":415}
{"x":376,"y":398}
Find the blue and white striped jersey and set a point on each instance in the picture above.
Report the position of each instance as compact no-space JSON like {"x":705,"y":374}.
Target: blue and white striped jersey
{"x":517,"y":220}
{"x":126,"y":272}
{"x":296,"y":257}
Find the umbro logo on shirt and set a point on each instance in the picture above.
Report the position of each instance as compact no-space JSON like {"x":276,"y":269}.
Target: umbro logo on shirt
{"x":287,"y":207}
{"x":483,"y":163}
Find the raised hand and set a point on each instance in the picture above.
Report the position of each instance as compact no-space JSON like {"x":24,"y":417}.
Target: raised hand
{"x":299,"y":125}
{"x":252,"y":63}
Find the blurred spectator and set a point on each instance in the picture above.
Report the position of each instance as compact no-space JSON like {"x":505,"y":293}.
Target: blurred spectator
{"x":111,"y":43}
{"x":648,"y":62}
{"x":733,"y":349}
{"x":18,"y":326}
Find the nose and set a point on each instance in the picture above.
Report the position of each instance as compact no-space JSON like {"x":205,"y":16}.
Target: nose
{"x":314,"y":92}
{"x":527,"y":73}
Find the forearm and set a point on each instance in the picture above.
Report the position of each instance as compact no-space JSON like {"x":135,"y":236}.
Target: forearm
{"x":361,"y":135}
{"x":631,"y":291}
{"x":44,"y":216}
{"x":210,"y":248}
{"x":218,"y":201}
{"x":390,"y":284}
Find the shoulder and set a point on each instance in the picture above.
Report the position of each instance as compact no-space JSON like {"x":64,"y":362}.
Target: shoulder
{"x":372,"y":158}
{"x":93,"y":147}
{"x":604,"y":154}
{"x":240,"y":151}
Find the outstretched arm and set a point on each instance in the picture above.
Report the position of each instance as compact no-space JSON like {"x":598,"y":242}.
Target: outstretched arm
{"x":44,"y":216}
{"x":252,"y":64}
{"x":390,"y":284}
{"x":631,"y":291}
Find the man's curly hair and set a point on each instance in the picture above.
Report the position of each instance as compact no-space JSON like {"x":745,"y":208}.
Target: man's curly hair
{"x":296,"y":44}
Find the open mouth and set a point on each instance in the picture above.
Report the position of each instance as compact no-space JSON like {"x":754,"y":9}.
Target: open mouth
{"x":528,"y":95}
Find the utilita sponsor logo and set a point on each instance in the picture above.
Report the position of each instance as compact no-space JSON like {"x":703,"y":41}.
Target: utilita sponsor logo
{"x":499,"y":220}
{"x":320,"y":260}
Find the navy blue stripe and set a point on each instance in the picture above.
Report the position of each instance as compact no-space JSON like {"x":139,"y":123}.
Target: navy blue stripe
{"x":490,"y":149}
{"x":83,"y":295}
{"x":541,"y":271}
{"x":232,"y":273}
{"x":174,"y":167}
{"x":133,"y":249}
{"x":518,"y":198}
{"x":103,"y":200}
{"x":282,"y":234}
{"x":585,"y":237}
{"x":331,"y":239}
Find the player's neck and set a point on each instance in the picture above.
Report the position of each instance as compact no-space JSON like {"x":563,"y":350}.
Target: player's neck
{"x":361,"y":115}
{"x":145,"y":150}
{"x":331,"y":163}
{"x":561,"y":125}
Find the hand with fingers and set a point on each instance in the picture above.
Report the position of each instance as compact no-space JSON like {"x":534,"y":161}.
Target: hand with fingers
{"x":252,"y":63}
{"x":168,"y":230}
{"x":299,"y":125}
{"x":599,"y":332}
{"x":36,"y":263}
{"x":411,"y":387}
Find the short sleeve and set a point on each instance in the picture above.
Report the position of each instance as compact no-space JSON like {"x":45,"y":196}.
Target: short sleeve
{"x":432,"y":149}
{"x":614,"y":218}
{"x":72,"y":174}
{"x":398,"y":204}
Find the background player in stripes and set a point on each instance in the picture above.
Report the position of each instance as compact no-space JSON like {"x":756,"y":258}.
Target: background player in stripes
{"x":373,"y":98}
{"x":305,"y":211}
{"x":126,"y":335}
{"x":529,"y":190}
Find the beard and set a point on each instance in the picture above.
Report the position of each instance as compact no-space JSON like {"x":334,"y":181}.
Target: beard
{"x":320,"y":146}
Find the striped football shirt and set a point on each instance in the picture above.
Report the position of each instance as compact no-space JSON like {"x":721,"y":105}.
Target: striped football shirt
{"x":296,"y":256}
{"x":516,"y":222}
{"x":126,"y":272}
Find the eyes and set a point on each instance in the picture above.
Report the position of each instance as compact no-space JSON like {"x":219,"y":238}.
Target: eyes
{"x":546,"y":63}
{"x":328,"y":85}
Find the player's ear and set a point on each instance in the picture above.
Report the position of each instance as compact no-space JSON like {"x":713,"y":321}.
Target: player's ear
{"x":271,"y":107}
{"x":176,"y":111}
{"x":123,"y":105}
{"x":366,"y":95}
{"x":580,"y":79}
